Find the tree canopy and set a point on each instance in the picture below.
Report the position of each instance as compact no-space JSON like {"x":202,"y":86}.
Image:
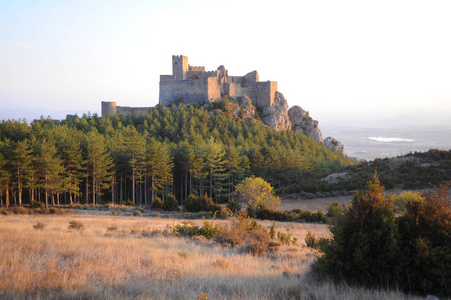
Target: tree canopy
{"x":180,"y":150}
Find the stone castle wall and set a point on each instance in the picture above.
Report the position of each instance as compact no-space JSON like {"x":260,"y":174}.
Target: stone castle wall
{"x":109,"y":108}
{"x":190,"y":91}
{"x":195,"y":85}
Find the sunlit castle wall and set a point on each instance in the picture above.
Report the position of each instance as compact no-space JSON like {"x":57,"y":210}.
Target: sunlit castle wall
{"x":193,"y":91}
{"x":110,"y":108}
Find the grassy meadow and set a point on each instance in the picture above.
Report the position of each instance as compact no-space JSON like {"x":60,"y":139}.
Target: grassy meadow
{"x":116,"y":257}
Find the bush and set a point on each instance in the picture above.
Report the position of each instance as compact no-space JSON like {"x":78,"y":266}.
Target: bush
{"x":257,"y":193}
{"x":39,"y":226}
{"x":201,"y":203}
{"x":425,"y":231}
{"x":170,"y":203}
{"x":400,"y":201}
{"x":77,"y":225}
{"x":363,"y":248}
{"x":311,"y":241}
{"x":137,"y":213}
{"x":370,"y":246}
{"x":128,"y":203}
{"x":157,"y":203}
{"x":189,"y":229}
{"x":289,"y":216}
{"x":286,"y":238}
{"x":234,"y":206}
{"x":20,"y":210}
{"x":225,"y":212}
{"x":37,"y":204}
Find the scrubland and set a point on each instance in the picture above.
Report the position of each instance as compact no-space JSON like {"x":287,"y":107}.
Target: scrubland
{"x":116,"y":257}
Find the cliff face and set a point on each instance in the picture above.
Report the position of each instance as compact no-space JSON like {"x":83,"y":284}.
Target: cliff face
{"x":301,"y":121}
{"x":279,"y":117}
{"x":276,"y":115}
{"x":334,"y":145}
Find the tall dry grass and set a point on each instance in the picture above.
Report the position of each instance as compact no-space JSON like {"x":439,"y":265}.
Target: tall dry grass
{"x":120,"y":257}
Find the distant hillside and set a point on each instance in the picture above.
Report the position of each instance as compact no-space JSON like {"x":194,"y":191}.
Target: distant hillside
{"x":412,"y":171}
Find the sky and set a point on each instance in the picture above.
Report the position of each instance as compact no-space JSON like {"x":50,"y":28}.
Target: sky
{"x":346,"y":61}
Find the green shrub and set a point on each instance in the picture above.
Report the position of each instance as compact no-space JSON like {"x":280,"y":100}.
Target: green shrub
{"x":77,"y":225}
{"x":201,"y":203}
{"x":425,"y":242}
{"x":334,"y":209}
{"x":286,"y":238}
{"x":312,"y":241}
{"x":37,"y":204}
{"x":128,"y":203}
{"x":363,"y":248}
{"x":370,"y":246}
{"x":234,"y":206}
{"x":20,"y":210}
{"x":225,"y":212}
{"x":157,"y":203}
{"x":400,"y":201}
{"x":189,"y":229}
{"x":170,"y":203}
{"x":294,"y":215}
{"x":39,"y":226}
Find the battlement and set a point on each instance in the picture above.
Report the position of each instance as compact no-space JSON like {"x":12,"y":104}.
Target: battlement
{"x":196,"y":69}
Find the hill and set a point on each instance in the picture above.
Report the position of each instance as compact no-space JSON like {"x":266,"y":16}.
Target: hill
{"x":417,"y":170}
{"x":177,"y":150}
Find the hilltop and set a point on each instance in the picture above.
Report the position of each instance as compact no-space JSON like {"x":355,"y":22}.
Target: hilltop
{"x":193,"y":85}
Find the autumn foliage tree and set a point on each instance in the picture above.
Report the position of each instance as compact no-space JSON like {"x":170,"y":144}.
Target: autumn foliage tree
{"x":257,"y":193}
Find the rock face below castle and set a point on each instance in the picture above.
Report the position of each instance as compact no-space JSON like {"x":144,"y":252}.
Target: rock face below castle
{"x":301,"y":121}
{"x":276,"y":115}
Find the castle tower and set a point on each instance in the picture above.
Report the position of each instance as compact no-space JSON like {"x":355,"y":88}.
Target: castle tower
{"x":179,"y":66}
{"x":108,"y":108}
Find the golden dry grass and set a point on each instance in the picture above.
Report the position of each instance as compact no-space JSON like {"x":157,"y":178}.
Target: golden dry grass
{"x":111,"y":259}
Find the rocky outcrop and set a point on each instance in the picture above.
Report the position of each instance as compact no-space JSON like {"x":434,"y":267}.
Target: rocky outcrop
{"x":301,"y":121}
{"x":334,"y":145}
{"x":245,"y":107}
{"x":276,"y":115}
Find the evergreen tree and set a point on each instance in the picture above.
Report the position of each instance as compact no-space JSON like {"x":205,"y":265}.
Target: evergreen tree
{"x":363,"y":247}
{"x":4,"y":181}
{"x":50,"y":170}
{"x":135,"y":150}
{"x":158,"y":167}
{"x":98,"y":165}
{"x":21,"y":165}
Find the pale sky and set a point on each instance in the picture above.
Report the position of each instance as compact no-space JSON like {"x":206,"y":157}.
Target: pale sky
{"x":332,"y":58}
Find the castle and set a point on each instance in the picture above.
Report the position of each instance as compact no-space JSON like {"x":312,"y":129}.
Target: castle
{"x":193,"y":85}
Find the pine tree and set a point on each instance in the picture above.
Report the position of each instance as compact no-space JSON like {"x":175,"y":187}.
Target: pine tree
{"x":135,"y":150}
{"x":21,"y":164}
{"x":50,"y":170}
{"x":158,"y":167}
{"x":4,"y":181}
{"x":99,"y":164}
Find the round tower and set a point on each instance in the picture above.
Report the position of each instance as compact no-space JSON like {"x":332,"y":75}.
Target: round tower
{"x":108,"y":108}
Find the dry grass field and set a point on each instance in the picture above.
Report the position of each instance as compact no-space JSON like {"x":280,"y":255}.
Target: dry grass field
{"x":117,"y":257}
